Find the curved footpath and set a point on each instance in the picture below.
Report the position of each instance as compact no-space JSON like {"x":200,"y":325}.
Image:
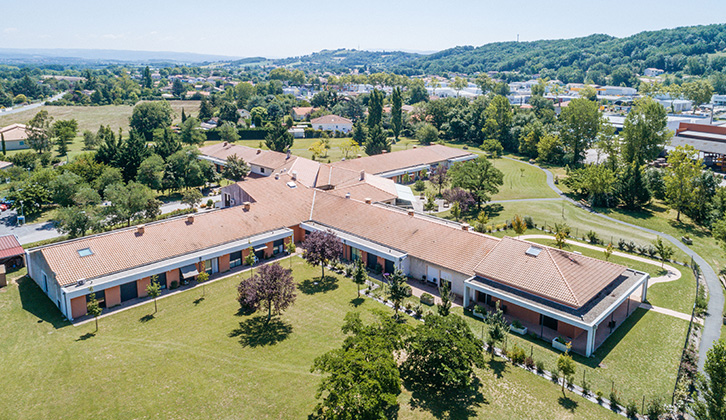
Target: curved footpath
{"x":713,"y":318}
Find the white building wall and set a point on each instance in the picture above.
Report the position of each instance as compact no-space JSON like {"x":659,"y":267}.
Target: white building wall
{"x":419,"y":268}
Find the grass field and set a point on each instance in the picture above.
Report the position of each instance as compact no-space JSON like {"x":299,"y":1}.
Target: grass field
{"x":201,"y":359}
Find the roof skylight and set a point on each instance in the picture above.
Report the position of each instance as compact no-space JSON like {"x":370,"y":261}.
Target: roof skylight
{"x":85,"y":252}
{"x":533,"y":251}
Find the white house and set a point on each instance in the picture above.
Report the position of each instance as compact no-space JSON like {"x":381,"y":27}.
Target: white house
{"x":651,"y":72}
{"x":332,"y":123}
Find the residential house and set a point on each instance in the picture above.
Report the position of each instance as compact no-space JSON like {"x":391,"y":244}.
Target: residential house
{"x":332,"y":123}
{"x":300,"y":113}
{"x":652,"y":72}
{"x":16,"y":136}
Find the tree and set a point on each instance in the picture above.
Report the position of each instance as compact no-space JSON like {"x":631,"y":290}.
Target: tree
{"x":441,"y":354}
{"x":192,"y":197}
{"x":128,"y":202}
{"x":146,"y":80}
{"x":427,"y":134}
{"x":360,"y":275}
{"x":92,"y":306}
{"x":178,"y":89}
{"x":632,"y":187}
{"x":519,"y":225}
{"x":579,"y":125}
{"x":498,"y":121}
{"x":228,"y":132}
{"x":85,"y":216}
{"x":90,"y":140}
{"x":278,"y":138}
{"x":608,"y":251}
{"x":377,"y":141}
{"x":271,"y":288}
{"x":362,"y":379}
{"x":149,"y":116}
{"x":202,"y":277}
{"x":444,"y":308}
{"x":322,"y":248}
{"x":166,"y":142}
{"x":133,"y":152}
{"x":205,"y":110}
{"x":350,"y":146}
{"x":39,"y":131}
{"x":497,"y":328}
{"x":683,"y":168}
{"x":645,"y":131}
{"x":64,"y":132}
{"x":566,"y":366}
{"x":396,"y":112}
{"x":191,"y":132}
{"x":183,"y":115}
{"x":2,"y":140}
{"x":396,"y":289}
{"x":484,"y":83}
{"x":235,"y":169}
{"x":109,"y":151}
{"x":375,"y":109}
{"x":562,"y":232}
{"x":151,"y":172}
{"x":459,"y":83}
{"x":153,"y":290}
{"x":664,"y":251}
{"x":64,"y":187}
{"x":698,"y":91}
{"x":711,"y":387}
{"x":417,"y":92}
{"x":228,"y":113}
{"x":550,"y":149}
{"x":440,"y":177}
{"x":477,"y":176}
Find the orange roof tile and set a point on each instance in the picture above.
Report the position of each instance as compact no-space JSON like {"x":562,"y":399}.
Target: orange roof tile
{"x":402,"y":159}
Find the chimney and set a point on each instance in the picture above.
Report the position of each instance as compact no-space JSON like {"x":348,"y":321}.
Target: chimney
{"x":362,"y":175}
{"x":414,"y":146}
{"x":294,"y":175}
{"x":465,"y":226}
{"x":246,"y":205}
{"x":347,"y":195}
{"x":288,"y":154}
{"x":384,"y":151}
{"x":225,"y":144}
{"x":359,"y":155}
{"x":277,"y":176}
{"x":259,"y":151}
{"x":140,"y":229}
{"x":410,"y":213}
{"x":190,"y":218}
{"x":368,"y":200}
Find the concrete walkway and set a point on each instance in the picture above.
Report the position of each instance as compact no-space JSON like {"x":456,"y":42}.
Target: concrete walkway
{"x":713,"y":320}
{"x":670,"y":312}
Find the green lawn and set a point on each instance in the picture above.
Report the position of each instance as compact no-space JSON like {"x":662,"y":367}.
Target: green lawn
{"x":201,"y":359}
{"x":678,"y":295}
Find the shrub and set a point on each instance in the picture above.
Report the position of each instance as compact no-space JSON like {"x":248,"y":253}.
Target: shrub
{"x":408,"y":306}
{"x":529,"y":363}
{"x":598,"y":396}
{"x":652,"y":251}
{"x":174,"y":284}
{"x":585,"y":388}
{"x":622,"y":244}
{"x":407,"y":290}
{"x":630,"y":246}
{"x":518,"y":355}
{"x":418,"y":310}
{"x":643,"y":249}
{"x":517,"y":324}
{"x":210,"y":203}
{"x":701,"y":301}
{"x":614,"y":403}
{"x":419,"y":186}
{"x":654,"y":409}
{"x":592,"y":237}
{"x":631,"y":410}
{"x":540,"y":367}
{"x":427,"y":299}
{"x":529,"y":222}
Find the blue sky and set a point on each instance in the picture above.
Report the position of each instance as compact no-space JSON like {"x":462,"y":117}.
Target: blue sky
{"x":277,"y":28}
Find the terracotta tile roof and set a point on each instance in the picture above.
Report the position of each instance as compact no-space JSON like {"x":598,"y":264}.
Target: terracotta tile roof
{"x":420,"y":237}
{"x":402,"y":159}
{"x":14,"y":132}
{"x":331,"y":119}
{"x":560,"y":276}
{"x":361,"y":191}
{"x":341,"y":181}
{"x":125,"y":249}
{"x":267,"y":158}
{"x":10,"y":247}
{"x":302,"y":110}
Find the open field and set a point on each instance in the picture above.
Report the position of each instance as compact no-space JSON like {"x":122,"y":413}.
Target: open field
{"x":201,"y":359}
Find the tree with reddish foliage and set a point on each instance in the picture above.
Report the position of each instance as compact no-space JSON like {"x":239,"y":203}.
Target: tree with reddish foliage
{"x":439,"y":177}
{"x":458,"y":195}
{"x":322,"y":248}
{"x":272,"y":288}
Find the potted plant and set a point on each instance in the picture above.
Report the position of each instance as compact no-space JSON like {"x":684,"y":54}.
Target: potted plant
{"x":427,"y":299}
{"x":518,"y":327}
{"x":560,"y":343}
{"x":687,"y":239}
{"x":479,"y":311}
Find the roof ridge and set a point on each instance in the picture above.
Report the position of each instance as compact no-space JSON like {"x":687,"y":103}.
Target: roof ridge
{"x":564,"y":279}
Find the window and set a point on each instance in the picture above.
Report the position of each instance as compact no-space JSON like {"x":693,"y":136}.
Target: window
{"x":85,"y":252}
{"x":235,"y":259}
{"x":262,"y":170}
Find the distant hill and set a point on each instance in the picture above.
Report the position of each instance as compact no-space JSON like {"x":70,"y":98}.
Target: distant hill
{"x":72,"y":56}
{"x":344,"y":59}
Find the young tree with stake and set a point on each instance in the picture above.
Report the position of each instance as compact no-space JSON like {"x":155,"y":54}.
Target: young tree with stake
{"x":154,"y":290}
{"x":92,"y":306}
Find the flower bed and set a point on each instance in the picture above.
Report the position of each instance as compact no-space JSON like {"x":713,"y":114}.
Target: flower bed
{"x":559,"y":343}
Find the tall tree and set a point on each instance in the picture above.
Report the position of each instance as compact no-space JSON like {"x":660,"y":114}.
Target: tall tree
{"x":166,"y":143}
{"x":484,"y":83}
{"x":698,"y":92}
{"x":440,"y":177}
{"x":110,"y":149}
{"x":566,"y":366}
{"x":441,"y":354}
{"x":499,"y":121}
{"x":235,"y":169}
{"x":377,"y":141}
{"x":645,"y":131}
{"x":278,"y":138}
{"x":133,"y":152}
{"x":360,"y":275}
{"x":479,"y":177}
{"x":579,"y":125}
{"x":153,"y":290}
{"x":396,"y":289}
{"x":191,"y":132}
{"x":151,"y":172}
{"x":375,"y":108}
{"x":711,"y":404}
{"x":146,"y":80}
{"x":149,"y":116}
{"x":271,"y":288}
{"x":92,"y":306}
{"x":322,"y":248}
{"x":632,"y":188}
{"x":128,"y":202}
{"x":228,"y":132}
{"x":396,"y":112}
{"x":178,"y":89}
{"x":39,"y":131}
{"x":64,"y":132}
{"x":206,"y":111}
{"x":683,"y":169}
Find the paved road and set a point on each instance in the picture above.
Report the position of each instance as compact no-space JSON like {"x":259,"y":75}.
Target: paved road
{"x":15,"y":110}
{"x":713,"y":320}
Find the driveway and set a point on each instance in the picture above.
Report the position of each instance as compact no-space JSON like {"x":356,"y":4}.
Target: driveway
{"x":15,"y":110}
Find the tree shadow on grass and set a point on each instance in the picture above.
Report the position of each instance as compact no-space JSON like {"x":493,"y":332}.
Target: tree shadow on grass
{"x":498,"y":367}
{"x":86,"y":336}
{"x":567,"y":403}
{"x":311,"y":287}
{"x":33,"y":300}
{"x":199,"y":300}
{"x":449,"y":404}
{"x":257,"y":331}
{"x":146,"y":318}
{"x":357,"y":301}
